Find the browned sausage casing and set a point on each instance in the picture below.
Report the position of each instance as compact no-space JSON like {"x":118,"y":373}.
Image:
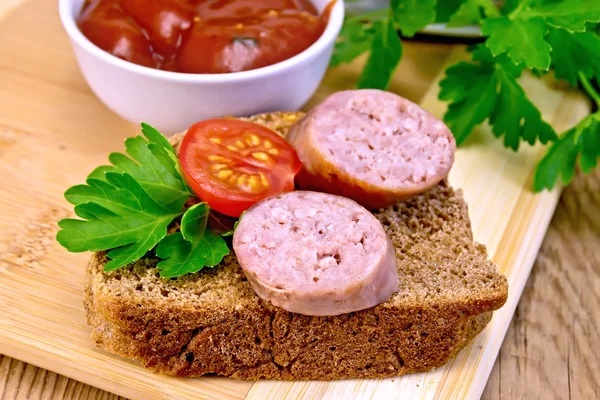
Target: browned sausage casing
{"x":316,"y":254}
{"x":372,"y":146}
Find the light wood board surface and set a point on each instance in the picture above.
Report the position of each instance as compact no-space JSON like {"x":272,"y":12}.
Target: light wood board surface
{"x":53,"y":131}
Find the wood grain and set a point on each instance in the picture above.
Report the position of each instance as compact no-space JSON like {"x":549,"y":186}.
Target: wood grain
{"x":45,"y":105}
{"x":19,"y":381}
{"x":551,"y":348}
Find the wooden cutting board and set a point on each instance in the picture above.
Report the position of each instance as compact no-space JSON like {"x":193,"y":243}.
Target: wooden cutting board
{"x":53,"y":131}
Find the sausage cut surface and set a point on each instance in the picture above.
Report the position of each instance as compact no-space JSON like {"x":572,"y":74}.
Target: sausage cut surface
{"x":316,"y":254}
{"x":373,"y":146}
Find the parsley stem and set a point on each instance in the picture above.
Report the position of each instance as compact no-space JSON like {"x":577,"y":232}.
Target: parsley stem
{"x":589,"y":89}
{"x":520,"y":7}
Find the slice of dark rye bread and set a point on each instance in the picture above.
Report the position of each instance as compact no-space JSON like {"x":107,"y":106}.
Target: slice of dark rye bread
{"x":212,"y":321}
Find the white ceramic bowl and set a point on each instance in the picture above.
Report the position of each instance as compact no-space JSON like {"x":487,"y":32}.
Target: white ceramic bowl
{"x":173,"y":101}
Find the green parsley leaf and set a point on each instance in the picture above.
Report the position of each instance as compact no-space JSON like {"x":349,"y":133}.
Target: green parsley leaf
{"x":523,"y":40}
{"x":589,"y":135}
{"x":509,"y":6}
{"x":160,"y":146}
{"x":516,"y":117}
{"x":156,"y":138}
{"x":471,"y":89}
{"x":522,"y":33}
{"x":354,"y":39}
{"x":386,"y":51}
{"x":471,"y":12}
{"x":158,"y":170}
{"x":468,"y":13}
{"x":489,"y":8}
{"x":487,"y":90}
{"x":582,"y":141}
{"x":560,"y":160}
{"x":117,"y":214}
{"x":413,"y":15}
{"x":482,"y":53}
{"x":127,"y":207}
{"x":193,"y":248}
{"x":573,"y":53}
{"x":153,"y":164}
{"x":444,"y":9}
{"x":571,"y":15}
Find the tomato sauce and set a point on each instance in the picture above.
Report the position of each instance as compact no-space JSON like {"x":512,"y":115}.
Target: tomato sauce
{"x":202,"y":36}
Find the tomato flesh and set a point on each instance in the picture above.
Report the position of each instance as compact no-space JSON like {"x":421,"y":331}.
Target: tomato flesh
{"x":232,"y":164}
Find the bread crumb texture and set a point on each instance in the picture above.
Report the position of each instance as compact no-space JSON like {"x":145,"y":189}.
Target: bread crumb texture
{"x":213,"y":322}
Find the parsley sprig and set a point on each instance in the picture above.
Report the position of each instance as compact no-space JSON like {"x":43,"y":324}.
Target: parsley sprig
{"x":534,"y":35}
{"x":127,"y":207}
{"x":193,"y":247}
{"x":582,"y":142}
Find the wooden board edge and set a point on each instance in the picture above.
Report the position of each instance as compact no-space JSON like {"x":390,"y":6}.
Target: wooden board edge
{"x":528,"y":255}
{"x":78,"y":371}
{"x":538,"y":207}
{"x":30,"y":356}
{"x":537,"y":210}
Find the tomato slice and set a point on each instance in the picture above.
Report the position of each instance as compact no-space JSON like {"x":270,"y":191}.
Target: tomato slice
{"x":233,"y":164}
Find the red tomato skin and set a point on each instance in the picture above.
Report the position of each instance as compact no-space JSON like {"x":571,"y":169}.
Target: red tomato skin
{"x":220,"y":196}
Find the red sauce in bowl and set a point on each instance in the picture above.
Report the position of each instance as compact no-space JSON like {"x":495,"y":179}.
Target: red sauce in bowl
{"x":202,"y":36}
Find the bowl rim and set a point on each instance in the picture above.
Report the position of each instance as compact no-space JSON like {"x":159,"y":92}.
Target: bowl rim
{"x":329,"y":35}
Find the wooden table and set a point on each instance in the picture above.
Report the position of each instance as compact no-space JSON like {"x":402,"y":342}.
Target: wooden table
{"x":551,"y":349}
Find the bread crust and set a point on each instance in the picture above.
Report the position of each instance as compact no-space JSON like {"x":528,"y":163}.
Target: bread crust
{"x":212,"y":321}
{"x":268,"y":342}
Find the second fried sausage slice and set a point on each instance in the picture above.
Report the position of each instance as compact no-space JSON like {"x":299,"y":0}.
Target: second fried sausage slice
{"x":372,"y":146}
